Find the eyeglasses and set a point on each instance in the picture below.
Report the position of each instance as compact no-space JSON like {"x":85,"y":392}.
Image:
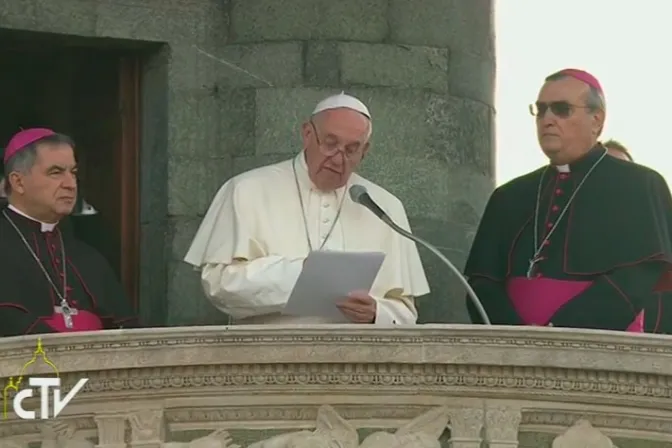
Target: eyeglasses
{"x":351,"y":151}
{"x":561,"y":109}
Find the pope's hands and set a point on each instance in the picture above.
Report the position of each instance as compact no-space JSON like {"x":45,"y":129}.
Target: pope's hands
{"x":359,"y":307}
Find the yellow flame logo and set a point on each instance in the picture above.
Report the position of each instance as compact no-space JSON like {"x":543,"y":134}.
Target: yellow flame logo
{"x":14,"y":383}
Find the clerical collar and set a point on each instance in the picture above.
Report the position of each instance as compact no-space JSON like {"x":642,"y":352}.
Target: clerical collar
{"x":584,"y":163}
{"x":44,"y":226}
{"x":304,"y":177}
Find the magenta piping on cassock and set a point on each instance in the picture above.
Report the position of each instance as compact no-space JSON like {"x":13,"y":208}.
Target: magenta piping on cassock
{"x":82,"y":321}
{"x":536,"y":300}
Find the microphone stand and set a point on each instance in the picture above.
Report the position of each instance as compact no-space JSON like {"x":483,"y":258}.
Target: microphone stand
{"x":470,"y":292}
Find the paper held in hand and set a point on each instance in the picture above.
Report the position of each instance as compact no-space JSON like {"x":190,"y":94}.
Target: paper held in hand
{"x":329,"y":276}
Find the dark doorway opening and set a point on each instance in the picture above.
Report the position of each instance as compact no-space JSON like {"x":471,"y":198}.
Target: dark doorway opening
{"x":89,"y":91}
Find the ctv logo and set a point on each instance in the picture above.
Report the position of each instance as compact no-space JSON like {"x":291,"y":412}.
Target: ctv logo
{"x":43,"y":386}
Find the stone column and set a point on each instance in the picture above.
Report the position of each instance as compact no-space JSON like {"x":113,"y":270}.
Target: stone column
{"x":148,"y":428}
{"x":426,"y":71}
{"x":465,"y":428}
{"x":501,"y":426}
{"x":111,"y":430}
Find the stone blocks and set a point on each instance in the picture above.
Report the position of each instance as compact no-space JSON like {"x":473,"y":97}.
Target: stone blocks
{"x":192,"y":183}
{"x":193,"y":125}
{"x":261,"y":65}
{"x":155,"y":21}
{"x":455,"y":24}
{"x":336,"y":64}
{"x":406,"y":67}
{"x":272,"y":20}
{"x":279,"y":114}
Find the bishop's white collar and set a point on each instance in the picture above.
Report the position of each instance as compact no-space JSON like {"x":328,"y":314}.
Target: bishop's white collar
{"x":44,"y":226}
{"x":562,"y":168}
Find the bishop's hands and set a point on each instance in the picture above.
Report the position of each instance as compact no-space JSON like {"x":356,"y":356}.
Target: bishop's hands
{"x":359,"y":307}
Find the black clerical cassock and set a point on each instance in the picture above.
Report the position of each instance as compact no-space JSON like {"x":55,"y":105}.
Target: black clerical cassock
{"x":602,"y":244}
{"x":33,"y":292}
{"x":661,"y":307}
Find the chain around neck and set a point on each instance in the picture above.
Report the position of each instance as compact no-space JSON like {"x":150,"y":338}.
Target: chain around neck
{"x":538,"y":247}
{"x":303,"y":212}
{"x":61,"y":295}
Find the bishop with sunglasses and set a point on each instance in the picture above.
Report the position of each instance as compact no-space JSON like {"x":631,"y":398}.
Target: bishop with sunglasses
{"x":581,"y":242}
{"x":262,"y":224}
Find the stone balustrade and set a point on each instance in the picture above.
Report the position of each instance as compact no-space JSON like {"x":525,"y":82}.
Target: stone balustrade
{"x":349,"y":386}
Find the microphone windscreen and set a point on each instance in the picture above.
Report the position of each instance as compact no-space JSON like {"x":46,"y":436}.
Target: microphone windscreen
{"x":357,"y":192}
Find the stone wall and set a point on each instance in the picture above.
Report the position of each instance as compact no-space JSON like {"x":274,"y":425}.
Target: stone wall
{"x":228,"y":83}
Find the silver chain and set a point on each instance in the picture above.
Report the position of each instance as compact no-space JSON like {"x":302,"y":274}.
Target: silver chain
{"x":64,"y":303}
{"x":539,"y":247}
{"x":303,"y":212}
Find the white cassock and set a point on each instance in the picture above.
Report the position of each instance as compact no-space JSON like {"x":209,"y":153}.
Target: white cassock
{"x":251,"y":244}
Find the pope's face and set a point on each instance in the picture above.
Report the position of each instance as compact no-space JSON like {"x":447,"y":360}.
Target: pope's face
{"x":336,"y":141}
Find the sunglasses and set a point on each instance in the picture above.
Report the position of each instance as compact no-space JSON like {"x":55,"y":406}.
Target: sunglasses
{"x":561,"y":109}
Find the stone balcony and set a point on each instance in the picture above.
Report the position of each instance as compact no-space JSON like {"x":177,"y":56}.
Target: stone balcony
{"x":340,"y":386}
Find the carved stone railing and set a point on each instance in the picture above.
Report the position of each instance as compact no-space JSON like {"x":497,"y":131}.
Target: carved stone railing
{"x":340,"y":386}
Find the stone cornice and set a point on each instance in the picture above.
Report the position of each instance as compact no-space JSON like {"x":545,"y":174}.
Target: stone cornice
{"x":470,"y":361}
{"x":537,"y":379}
{"x":424,"y":344}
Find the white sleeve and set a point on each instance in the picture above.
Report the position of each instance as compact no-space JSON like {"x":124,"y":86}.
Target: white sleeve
{"x":252,"y":288}
{"x":395,"y":311}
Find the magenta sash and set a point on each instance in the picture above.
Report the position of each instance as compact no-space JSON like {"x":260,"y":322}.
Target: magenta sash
{"x":82,"y":321}
{"x":536,"y":300}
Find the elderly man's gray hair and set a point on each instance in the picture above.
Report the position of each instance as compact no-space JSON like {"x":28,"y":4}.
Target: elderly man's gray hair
{"x":595,"y":100}
{"x":24,"y":160}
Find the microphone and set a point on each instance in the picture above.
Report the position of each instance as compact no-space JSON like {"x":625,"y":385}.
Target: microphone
{"x":359,"y":195}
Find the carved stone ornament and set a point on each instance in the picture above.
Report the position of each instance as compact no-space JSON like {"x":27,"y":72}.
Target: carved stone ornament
{"x":146,"y":425}
{"x":332,"y":431}
{"x":217,"y":439}
{"x":421,"y":432}
{"x":60,"y":434}
{"x":502,"y":424}
{"x":583,"y":435}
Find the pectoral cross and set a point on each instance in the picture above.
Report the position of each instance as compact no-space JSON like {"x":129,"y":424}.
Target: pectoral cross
{"x":533,"y":262}
{"x":67,"y":311}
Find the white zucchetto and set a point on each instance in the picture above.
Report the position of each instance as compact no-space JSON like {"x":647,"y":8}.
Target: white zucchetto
{"x":342,"y":101}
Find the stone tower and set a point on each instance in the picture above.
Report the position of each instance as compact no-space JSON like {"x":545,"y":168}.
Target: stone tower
{"x":226,"y":84}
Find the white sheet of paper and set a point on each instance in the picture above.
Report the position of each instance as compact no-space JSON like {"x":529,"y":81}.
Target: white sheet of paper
{"x":329,"y":276}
